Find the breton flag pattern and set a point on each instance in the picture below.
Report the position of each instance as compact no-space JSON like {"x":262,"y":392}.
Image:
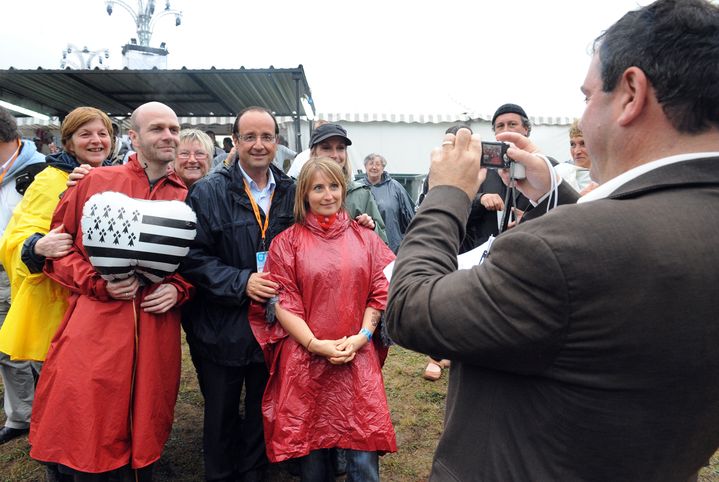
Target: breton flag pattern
{"x":124,"y":236}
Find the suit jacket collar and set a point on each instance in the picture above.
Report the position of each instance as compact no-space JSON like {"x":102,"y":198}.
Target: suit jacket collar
{"x":702,"y":171}
{"x":696,"y":172}
{"x":237,"y":187}
{"x":606,"y":189}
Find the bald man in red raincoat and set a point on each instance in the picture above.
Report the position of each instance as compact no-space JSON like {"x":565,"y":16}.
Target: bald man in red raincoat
{"x":106,"y":396}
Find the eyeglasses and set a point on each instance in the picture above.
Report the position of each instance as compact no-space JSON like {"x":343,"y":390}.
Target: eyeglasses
{"x":184,"y":155}
{"x":251,"y":138}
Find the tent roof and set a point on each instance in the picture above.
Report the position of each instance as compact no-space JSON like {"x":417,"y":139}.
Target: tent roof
{"x":188,"y":92}
{"x":434,"y":118}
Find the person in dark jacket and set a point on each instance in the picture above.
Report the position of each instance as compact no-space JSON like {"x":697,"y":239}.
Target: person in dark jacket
{"x":495,"y":195}
{"x":240,"y":209}
{"x":393,"y":201}
{"x":490,"y":199}
{"x":482,"y":221}
{"x":584,"y":346}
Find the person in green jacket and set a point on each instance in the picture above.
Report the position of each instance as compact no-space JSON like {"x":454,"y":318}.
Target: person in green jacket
{"x":330,"y":140}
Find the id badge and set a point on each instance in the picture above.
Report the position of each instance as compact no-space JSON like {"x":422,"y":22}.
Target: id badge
{"x":261,"y":257}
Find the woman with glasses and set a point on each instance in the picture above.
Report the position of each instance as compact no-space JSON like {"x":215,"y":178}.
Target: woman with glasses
{"x":193,"y":156}
{"x":325,"y":357}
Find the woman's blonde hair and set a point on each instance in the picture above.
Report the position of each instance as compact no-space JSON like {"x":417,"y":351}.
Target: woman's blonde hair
{"x":79,"y":117}
{"x":190,"y":135}
{"x":331,"y":171}
{"x":574,"y":130}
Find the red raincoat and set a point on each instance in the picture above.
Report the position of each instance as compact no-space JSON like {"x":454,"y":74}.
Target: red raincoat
{"x":94,"y":411}
{"x":327,"y":278}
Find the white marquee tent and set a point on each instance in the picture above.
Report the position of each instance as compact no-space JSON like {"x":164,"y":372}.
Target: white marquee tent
{"x":405,"y":140}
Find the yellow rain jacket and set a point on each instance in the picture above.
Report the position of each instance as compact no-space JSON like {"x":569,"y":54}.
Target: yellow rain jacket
{"x":38,"y":304}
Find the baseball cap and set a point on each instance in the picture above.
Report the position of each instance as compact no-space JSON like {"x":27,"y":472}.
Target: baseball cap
{"x":326,"y":131}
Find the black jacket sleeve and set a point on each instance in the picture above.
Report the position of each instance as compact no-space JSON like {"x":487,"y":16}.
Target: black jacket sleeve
{"x":207,"y":265}
{"x":33,"y":261}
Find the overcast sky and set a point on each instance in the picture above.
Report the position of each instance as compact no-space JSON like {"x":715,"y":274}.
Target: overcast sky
{"x":359,"y":56}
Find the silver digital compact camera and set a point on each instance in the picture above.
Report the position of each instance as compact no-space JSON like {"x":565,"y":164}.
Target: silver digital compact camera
{"x":494,"y":156}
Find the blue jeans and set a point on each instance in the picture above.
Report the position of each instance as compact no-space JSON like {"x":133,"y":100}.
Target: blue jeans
{"x":362,"y":466}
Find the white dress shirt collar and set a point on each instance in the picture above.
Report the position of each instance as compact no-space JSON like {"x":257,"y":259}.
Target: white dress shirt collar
{"x":604,"y":190}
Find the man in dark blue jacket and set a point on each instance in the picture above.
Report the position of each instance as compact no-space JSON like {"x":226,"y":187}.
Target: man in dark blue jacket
{"x":240,"y":209}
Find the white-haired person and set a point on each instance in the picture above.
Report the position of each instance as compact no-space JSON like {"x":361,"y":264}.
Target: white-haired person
{"x":194,"y":155}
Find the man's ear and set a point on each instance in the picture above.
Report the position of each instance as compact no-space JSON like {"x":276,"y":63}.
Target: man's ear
{"x":133,"y":136}
{"x":632,"y":89}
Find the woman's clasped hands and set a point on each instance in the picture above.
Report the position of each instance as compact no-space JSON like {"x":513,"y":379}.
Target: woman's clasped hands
{"x":337,"y":352}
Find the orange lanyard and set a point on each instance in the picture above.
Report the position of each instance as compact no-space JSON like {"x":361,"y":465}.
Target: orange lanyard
{"x":9,"y":163}
{"x":256,"y":210}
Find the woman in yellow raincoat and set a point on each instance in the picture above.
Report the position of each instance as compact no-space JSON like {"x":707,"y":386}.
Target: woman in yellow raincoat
{"x":38,"y":304}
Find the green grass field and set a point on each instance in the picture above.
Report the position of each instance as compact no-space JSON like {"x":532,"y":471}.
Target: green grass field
{"x":417,"y":411}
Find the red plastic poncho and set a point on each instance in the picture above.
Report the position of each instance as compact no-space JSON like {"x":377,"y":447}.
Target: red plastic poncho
{"x":105,"y":398}
{"x":328,"y":278}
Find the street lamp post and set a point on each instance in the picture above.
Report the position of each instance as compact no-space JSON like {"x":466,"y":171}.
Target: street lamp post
{"x":145,"y":16}
{"x":139,"y":54}
{"x":83,"y":58}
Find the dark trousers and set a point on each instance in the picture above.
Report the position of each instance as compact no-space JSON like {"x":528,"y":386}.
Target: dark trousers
{"x":234,"y":446}
{"x":60,"y":473}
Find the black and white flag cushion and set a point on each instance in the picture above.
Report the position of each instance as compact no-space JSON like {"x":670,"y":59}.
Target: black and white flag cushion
{"x":124,"y":236}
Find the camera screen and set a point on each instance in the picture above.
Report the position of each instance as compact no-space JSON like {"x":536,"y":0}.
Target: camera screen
{"x":492,"y":155}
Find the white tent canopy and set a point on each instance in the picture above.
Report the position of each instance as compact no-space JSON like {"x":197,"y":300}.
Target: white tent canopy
{"x":405,"y":140}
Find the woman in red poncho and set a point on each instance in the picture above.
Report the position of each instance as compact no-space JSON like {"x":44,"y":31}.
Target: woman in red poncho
{"x":325,"y":388}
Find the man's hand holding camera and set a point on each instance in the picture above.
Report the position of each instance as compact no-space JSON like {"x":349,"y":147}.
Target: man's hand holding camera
{"x":538,"y":180}
{"x":457,"y":163}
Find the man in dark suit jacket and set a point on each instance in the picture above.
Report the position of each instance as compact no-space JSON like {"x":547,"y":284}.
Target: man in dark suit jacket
{"x":585,"y":346}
